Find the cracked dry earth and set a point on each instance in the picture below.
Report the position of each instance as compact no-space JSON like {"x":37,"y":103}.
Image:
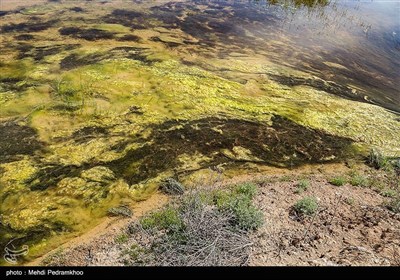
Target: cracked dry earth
{"x":351,"y":227}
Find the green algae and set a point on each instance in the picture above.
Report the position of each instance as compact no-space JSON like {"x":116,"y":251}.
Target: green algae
{"x":17,"y":140}
{"x":214,"y":95}
{"x":37,"y":10}
{"x":106,"y":121}
{"x":299,"y":3}
{"x":14,"y":71}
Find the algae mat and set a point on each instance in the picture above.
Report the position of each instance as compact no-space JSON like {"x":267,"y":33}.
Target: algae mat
{"x":100,"y":100}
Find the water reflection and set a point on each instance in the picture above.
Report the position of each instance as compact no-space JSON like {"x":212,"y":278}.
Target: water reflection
{"x":353,"y":43}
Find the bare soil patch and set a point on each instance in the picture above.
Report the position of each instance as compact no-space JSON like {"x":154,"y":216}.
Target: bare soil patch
{"x":351,"y":227}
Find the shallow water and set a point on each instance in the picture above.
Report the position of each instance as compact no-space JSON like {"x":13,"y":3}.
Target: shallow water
{"x":101,"y":100}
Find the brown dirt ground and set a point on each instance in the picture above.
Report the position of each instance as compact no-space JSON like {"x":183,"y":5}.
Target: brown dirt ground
{"x":351,"y":227}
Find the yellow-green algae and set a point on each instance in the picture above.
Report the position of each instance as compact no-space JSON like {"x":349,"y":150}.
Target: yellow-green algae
{"x":166,"y":89}
{"x":174,"y":91}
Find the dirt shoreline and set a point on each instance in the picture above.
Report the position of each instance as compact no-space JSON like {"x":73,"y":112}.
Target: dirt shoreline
{"x":106,"y":229}
{"x":351,"y":227}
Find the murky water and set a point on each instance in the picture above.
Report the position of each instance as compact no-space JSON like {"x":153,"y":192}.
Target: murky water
{"x":100,"y":100}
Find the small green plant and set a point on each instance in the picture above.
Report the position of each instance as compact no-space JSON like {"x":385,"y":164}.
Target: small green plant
{"x":377,"y":160}
{"x":388,"y":193}
{"x":122,"y":238}
{"x":247,"y":189}
{"x":338,"y":181}
{"x":247,"y":217}
{"x":394,"y":204}
{"x":306,"y":206}
{"x":302,"y":185}
{"x":167,"y":219}
{"x":239,"y":203}
{"x":350,"y":201}
{"x":134,"y":254}
{"x":358,"y":180}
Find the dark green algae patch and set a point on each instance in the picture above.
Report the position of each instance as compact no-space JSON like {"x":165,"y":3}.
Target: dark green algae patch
{"x":17,"y":140}
{"x":282,"y":144}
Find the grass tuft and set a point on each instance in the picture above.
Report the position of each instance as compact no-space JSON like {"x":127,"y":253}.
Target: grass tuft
{"x":302,"y":186}
{"x":306,"y":206}
{"x":338,"y":181}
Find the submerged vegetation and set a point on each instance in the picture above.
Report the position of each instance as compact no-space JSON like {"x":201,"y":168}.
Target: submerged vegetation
{"x":299,"y":3}
{"x":102,"y":105}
